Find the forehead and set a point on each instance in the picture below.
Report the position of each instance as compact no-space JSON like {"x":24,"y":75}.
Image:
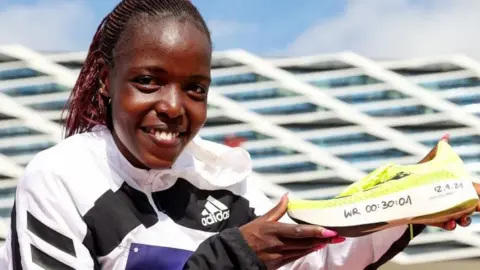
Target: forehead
{"x":177,"y":43}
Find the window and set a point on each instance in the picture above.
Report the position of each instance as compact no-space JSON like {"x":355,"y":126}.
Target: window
{"x":237,"y":79}
{"x":348,"y":139}
{"x":261,"y":94}
{"x":289,"y":168}
{"x":457,"y":141}
{"x":373,"y":155}
{"x":18,"y":73}
{"x":466,"y":100}
{"x":49,"y":106}
{"x":25,"y":149}
{"x":452,"y":84}
{"x":36,"y":90}
{"x":16,"y":131}
{"x":372,"y":96}
{"x":248,"y":135}
{"x":401,"y":111}
{"x":288,"y":109}
{"x":271,"y":152}
{"x":345,"y":81}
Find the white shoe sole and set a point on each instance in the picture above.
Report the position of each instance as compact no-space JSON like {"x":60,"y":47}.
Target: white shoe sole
{"x":429,"y":203}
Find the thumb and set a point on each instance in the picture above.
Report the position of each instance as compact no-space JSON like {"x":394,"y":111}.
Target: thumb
{"x":278,"y":211}
{"x":433,"y":152}
{"x":477,"y":188}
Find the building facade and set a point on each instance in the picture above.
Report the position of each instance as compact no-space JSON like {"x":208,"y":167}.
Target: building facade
{"x":312,"y":124}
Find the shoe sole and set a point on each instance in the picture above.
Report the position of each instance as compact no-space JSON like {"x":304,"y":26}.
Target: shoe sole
{"x":433,"y":203}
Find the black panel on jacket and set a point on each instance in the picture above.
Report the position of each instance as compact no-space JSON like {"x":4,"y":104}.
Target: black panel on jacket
{"x":205,"y":210}
{"x":49,"y":235}
{"x":16,"y":255}
{"x":138,"y":203}
{"x":46,"y":261}
{"x":109,"y":221}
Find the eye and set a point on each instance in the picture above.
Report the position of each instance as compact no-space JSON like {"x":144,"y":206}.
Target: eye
{"x":144,"y":80}
{"x":200,"y":89}
{"x":197,"y":89}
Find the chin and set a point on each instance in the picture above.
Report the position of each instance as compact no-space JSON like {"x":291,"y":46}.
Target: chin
{"x":158,"y":163}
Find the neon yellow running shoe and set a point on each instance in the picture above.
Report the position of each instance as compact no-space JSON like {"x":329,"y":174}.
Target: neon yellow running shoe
{"x":435,"y":191}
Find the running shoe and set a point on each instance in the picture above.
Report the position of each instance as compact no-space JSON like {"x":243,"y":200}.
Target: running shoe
{"x":435,"y":191}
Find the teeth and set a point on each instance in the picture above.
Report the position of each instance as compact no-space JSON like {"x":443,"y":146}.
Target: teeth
{"x":165,"y":135}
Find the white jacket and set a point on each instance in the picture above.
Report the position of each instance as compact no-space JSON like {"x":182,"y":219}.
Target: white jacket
{"x":82,"y":205}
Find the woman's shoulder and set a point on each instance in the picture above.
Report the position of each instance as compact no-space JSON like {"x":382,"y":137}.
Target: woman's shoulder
{"x":73,"y":156}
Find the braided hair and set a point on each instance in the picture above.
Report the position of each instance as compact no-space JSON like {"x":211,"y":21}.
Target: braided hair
{"x":86,"y":106}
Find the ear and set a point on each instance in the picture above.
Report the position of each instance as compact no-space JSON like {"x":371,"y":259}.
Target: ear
{"x":104,"y":82}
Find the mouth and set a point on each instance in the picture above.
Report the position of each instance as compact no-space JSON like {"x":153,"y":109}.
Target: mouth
{"x":163,"y":137}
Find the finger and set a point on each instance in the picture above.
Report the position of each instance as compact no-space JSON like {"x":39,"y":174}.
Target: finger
{"x":278,"y":211}
{"x":464,"y":221}
{"x":430,"y":155}
{"x":300,"y":231}
{"x":450,"y":225}
{"x":477,"y":188}
{"x":308,"y":243}
{"x":445,"y":137}
{"x":433,"y":152}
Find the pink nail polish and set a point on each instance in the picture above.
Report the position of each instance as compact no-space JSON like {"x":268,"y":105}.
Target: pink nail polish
{"x":445,"y":137}
{"x":337,"y":240}
{"x":328,"y":233}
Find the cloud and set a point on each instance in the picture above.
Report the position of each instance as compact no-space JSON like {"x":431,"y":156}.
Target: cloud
{"x":396,"y":29}
{"x":47,"y":24}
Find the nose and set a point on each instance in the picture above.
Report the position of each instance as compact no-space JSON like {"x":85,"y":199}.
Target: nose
{"x":170,"y":103}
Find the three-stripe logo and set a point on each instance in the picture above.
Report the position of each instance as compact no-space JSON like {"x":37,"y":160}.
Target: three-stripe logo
{"x":215,"y":211}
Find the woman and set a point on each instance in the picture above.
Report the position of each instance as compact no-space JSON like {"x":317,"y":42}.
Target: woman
{"x":133,"y":187}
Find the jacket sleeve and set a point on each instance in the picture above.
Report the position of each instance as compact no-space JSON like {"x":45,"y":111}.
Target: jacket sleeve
{"x":225,"y":250}
{"x":46,"y":231}
{"x":368,"y":252}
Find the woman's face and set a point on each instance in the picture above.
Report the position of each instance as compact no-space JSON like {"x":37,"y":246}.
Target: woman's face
{"x":158,"y":88}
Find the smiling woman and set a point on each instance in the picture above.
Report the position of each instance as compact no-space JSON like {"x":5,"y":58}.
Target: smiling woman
{"x":133,"y":186}
{"x":158,"y":88}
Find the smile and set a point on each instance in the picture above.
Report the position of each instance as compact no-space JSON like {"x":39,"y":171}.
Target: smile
{"x":162,"y":137}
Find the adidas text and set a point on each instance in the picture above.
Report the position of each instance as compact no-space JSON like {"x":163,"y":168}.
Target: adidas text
{"x":216,"y":217}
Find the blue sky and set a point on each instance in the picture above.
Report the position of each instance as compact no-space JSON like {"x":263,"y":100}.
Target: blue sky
{"x":257,"y":25}
{"x":262,"y":26}
{"x":375,"y":28}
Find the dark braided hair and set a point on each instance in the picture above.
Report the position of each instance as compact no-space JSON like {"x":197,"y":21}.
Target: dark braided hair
{"x":86,"y":106}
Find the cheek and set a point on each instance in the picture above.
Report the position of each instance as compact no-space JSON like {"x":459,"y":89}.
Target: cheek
{"x":127,"y":110}
{"x":198,"y":115}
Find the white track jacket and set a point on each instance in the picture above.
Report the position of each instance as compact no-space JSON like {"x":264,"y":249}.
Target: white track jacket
{"x":82,"y":205}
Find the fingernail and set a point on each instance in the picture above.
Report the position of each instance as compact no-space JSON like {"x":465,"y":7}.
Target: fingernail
{"x":467,"y":222}
{"x":445,"y":137}
{"x":338,"y":239}
{"x":285,"y":196}
{"x":328,"y":233}
{"x":451,"y":225}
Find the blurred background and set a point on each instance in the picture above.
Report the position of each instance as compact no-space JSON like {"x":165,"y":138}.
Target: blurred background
{"x":319,"y":92}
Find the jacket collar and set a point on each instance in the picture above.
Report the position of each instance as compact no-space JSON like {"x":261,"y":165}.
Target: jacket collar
{"x":205,"y":164}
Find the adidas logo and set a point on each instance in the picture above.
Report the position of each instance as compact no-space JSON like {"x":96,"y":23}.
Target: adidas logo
{"x":214,"y":212}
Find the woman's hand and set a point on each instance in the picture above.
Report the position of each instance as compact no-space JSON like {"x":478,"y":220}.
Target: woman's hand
{"x":277,"y":244}
{"x":464,"y":221}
